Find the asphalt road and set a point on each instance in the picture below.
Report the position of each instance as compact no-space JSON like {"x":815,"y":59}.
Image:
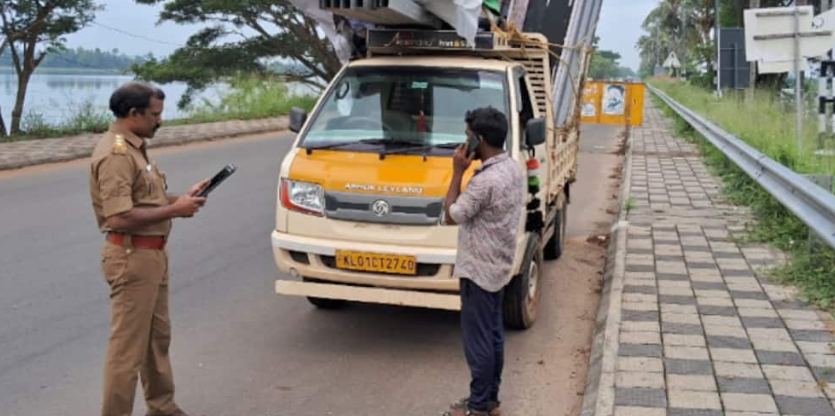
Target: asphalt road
{"x":239,"y":349}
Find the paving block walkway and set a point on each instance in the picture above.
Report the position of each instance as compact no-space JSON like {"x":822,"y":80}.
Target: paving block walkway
{"x":34,"y":152}
{"x":702,"y":331}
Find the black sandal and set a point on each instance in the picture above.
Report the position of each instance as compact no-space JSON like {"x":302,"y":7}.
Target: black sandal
{"x":467,"y":412}
{"x":493,"y":407}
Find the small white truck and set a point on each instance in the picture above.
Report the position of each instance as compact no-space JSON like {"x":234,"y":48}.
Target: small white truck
{"x":360,"y":195}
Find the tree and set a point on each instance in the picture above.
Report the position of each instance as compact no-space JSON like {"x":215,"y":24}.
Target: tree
{"x":604,"y":64}
{"x":246,"y":36}
{"x":686,"y":27}
{"x":33,"y":29}
{"x":80,"y":58}
{"x":681,"y":26}
{"x":3,"y":46}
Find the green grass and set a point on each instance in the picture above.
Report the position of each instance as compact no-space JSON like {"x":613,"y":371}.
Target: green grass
{"x":247,"y":98}
{"x":629,"y":204}
{"x":83,"y":118}
{"x":766,"y":123}
{"x":811,"y":265}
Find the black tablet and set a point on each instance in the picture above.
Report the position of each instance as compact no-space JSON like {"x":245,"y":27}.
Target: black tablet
{"x":224,"y":173}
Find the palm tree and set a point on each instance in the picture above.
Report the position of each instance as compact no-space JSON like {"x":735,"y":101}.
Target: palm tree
{"x":682,"y":26}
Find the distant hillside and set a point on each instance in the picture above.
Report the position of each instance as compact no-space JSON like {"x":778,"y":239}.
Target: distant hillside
{"x":80,"y":59}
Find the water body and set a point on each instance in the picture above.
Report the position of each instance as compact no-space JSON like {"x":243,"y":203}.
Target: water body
{"x":56,"y":96}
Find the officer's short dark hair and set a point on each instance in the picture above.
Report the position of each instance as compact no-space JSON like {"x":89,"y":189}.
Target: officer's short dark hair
{"x":490,"y":124}
{"x":133,"y":95}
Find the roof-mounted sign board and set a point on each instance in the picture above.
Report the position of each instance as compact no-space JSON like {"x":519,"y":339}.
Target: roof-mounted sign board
{"x":389,"y":39}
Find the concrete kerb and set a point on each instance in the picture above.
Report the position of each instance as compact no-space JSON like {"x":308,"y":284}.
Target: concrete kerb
{"x":85,"y":150}
{"x":599,"y":398}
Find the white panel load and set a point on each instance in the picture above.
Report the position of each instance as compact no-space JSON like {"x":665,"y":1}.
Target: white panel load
{"x":466,"y":17}
{"x":383,"y":12}
{"x":461,"y":15}
{"x":571,"y":72}
{"x":341,"y":45}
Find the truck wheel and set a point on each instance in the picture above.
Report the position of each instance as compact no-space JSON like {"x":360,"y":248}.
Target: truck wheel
{"x":521,"y":297}
{"x":324,"y":303}
{"x":553,"y":250}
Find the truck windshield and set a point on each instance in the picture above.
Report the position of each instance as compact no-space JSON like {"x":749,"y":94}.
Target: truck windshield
{"x":403,"y":107}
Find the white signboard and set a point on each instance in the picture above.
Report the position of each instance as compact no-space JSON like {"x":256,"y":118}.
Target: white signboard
{"x":672,"y":61}
{"x":770,"y":36}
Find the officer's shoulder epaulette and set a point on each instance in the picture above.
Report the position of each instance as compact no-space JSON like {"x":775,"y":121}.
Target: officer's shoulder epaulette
{"x":119,"y":145}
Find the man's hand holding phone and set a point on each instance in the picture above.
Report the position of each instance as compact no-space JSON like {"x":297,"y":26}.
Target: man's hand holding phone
{"x":462,"y":159}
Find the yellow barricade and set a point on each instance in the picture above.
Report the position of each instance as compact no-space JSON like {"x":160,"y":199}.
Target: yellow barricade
{"x":619,"y":103}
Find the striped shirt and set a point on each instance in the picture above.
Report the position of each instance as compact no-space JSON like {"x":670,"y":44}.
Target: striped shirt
{"x":489,"y":214}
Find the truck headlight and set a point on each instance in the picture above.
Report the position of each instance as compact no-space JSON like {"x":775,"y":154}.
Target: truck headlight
{"x":303,"y":197}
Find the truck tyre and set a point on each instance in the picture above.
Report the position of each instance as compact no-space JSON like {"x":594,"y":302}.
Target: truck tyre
{"x":554,"y":248}
{"x":324,"y":303}
{"x":521,"y":297}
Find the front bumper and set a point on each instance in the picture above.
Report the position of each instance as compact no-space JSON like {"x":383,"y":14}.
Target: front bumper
{"x":431,"y":300}
{"x":312,"y":258}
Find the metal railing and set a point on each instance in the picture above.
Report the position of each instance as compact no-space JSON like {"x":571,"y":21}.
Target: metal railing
{"x":812,"y":204}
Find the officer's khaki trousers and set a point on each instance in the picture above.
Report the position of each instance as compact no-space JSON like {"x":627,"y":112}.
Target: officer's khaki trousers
{"x":140,"y":331}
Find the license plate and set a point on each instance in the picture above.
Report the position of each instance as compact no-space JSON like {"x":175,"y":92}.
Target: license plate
{"x":380,"y":263}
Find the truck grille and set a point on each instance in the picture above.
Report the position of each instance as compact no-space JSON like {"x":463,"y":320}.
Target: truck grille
{"x":389,"y":209}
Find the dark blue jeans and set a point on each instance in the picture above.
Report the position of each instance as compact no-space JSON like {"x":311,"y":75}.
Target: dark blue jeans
{"x":482,"y":329}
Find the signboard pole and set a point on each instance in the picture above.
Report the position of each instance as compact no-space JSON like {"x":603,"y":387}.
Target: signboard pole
{"x":752,"y":74}
{"x":718,"y":49}
{"x":798,"y":93}
{"x":684,"y":46}
{"x":825,"y":87}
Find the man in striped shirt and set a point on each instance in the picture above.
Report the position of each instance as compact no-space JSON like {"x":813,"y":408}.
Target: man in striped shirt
{"x":488,"y":213}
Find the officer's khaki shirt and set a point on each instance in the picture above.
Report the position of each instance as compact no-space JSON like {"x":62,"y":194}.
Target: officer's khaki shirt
{"x":122,"y":177}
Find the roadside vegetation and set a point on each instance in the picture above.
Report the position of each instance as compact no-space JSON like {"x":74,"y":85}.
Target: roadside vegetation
{"x":246,"y":98}
{"x":766,"y":124}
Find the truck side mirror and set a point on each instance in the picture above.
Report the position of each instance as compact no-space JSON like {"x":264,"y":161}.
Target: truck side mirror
{"x":535,"y":132}
{"x":298,"y":117}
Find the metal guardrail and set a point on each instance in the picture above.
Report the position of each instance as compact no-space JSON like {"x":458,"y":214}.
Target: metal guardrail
{"x":809,"y":202}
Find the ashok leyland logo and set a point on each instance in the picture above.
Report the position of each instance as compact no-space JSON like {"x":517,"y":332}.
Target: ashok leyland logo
{"x":380,"y":208}
{"x":384,"y":189}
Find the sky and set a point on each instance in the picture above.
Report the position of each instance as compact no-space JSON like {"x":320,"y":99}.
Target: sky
{"x":132,"y":28}
{"x":620,"y":27}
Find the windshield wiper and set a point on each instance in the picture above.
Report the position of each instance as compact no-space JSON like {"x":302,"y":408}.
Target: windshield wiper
{"x":310,"y":149}
{"x":375,"y":141}
{"x":450,"y":145}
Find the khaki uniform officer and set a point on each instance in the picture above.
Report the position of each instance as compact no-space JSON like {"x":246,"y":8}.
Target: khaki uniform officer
{"x":134,"y":210}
